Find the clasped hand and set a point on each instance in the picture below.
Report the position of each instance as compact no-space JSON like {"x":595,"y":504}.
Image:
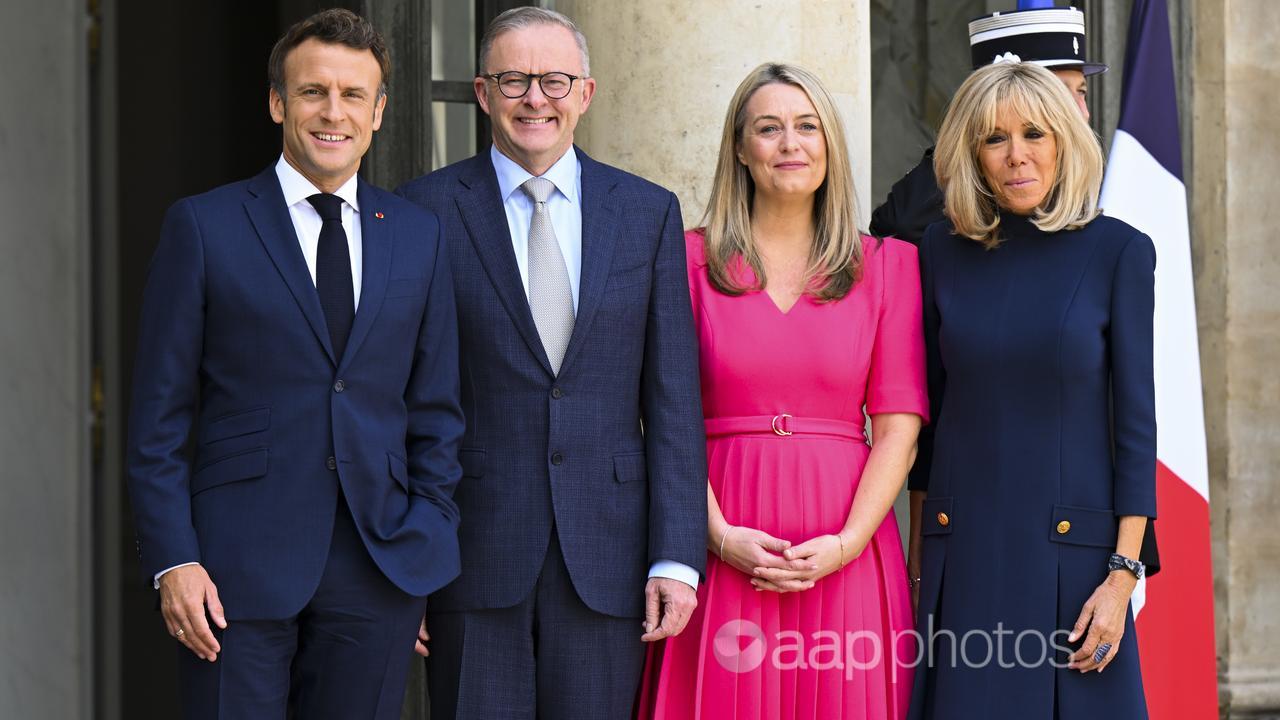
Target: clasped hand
{"x":777,"y":566}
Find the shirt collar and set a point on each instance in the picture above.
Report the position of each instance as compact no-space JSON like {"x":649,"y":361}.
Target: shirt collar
{"x":297,"y":188}
{"x":563,"y":174}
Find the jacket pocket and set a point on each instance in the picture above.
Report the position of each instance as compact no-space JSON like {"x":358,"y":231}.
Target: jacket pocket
{"x":239,"y":466}
{"x":399,"y":471}
{"x":937,"y":516}
{"x":472,"y":462}
{"x":629,"y":467}
{"x":236,"y":424}
{"x":1092,"y":527}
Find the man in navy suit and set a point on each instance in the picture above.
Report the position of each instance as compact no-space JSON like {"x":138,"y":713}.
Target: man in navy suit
{"x":299,"y":332}
{"x":584,"y":482}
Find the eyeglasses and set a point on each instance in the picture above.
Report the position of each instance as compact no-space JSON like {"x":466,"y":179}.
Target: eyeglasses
{"x":515,"y":84}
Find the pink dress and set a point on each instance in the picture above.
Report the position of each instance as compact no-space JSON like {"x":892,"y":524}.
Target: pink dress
{"x":842,"y":649}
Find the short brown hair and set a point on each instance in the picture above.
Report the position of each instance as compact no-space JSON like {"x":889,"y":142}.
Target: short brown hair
{"x":335,"y":26}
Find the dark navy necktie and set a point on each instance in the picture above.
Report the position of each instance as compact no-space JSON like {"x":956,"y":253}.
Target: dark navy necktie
{"x":333,"y":271}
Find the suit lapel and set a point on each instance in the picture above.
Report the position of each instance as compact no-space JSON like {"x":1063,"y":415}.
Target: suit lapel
{"x":376,"y":239}
{"x":480,"y":205}
{"x":599,"y":238}
{"x":270,"y":218}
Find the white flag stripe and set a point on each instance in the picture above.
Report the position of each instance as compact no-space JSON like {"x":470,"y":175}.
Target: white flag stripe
{"x":1141,"y":192}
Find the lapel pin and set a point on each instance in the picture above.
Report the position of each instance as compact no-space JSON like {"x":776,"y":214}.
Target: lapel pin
{"x":379,"y":215}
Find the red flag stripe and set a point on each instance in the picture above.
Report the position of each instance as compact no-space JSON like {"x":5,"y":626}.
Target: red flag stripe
{"x":1177,"y":650}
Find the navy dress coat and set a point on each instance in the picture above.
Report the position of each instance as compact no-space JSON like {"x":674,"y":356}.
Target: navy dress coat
{"x":914,"y":203}
{"x":570,"y":450}
{"x":1040,"y":376}
{"x":234,"y":354}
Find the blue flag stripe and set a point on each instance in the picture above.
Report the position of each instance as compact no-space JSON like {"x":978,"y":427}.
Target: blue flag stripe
{"x":1149,"y":105}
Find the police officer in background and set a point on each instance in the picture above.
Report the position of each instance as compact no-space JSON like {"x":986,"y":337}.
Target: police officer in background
{"x":1051,"y":37}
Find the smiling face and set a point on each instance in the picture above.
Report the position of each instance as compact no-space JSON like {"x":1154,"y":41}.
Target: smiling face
{"x":783,"y":144}
{"x":1019,"y":161}
{"x":534,"y":131}
{"x":330,"y":110}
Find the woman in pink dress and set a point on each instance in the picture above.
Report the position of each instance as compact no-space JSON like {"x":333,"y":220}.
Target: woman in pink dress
{"x":805,"y":612}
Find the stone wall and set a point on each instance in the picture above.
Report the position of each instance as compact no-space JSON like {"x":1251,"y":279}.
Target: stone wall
{"x":46,"y":632}
{"x":667,"y":69}
{"x":1236,"y":144}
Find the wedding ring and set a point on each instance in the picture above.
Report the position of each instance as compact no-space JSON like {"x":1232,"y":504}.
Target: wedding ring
{"x":179,"y":633}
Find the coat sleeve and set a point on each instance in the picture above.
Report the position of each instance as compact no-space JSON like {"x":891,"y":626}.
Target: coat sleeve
{"x":164,"y":396}
{"x":435,"y":420}
{"x":935,"y":374}
{"x":1132,"y":378}
{"x":671,"y":406}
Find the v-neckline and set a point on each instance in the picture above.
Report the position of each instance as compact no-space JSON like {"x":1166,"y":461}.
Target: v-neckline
{"x":776,"y":306}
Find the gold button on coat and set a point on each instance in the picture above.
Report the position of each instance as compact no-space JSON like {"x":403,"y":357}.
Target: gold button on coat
{"x":1064,"y":527}
{"x":943,"y":520}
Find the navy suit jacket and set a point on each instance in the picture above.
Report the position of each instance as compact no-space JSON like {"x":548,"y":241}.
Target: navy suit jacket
{"x":612,"y":450}
{"x":234,"y":355}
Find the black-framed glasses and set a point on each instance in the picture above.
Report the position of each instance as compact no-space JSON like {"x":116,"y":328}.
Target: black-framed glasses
{"x":515,"y":84}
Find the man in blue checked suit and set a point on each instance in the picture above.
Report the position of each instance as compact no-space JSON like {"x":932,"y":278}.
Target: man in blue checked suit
{"x":583,"y":496}
{"x":298,"y":330}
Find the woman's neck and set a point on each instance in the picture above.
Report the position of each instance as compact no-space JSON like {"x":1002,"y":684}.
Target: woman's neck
{"x":782,"y":225}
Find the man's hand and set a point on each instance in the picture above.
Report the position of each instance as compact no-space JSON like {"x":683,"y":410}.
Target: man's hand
{"x":420,"y":646}
{"x":668,"y":604}
{"x":184,"y":594}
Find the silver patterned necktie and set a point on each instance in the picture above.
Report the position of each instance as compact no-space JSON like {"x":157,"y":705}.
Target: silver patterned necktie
{"x":550,"y":296}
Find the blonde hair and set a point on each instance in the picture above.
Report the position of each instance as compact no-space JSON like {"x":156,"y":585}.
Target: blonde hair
{"x":835,"y":257}
{"x":1039,"y":97}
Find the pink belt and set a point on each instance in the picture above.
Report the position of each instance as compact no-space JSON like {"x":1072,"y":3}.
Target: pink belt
{"x":782,"y":425}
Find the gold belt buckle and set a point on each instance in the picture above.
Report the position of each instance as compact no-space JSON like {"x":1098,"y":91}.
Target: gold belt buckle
{"x":779,"y":428}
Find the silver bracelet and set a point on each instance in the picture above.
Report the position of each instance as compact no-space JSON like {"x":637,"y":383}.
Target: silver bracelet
{"x":724,"y":537}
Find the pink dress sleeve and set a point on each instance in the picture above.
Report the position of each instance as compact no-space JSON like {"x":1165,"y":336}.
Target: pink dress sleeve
{"x":896,"y":380}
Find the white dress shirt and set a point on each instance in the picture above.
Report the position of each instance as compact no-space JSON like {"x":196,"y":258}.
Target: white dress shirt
{"x":565,"y":209}
{"x":307,"y":222}
{"x":306,"y":225}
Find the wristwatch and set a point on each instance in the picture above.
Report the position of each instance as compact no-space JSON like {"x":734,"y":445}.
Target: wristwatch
{"x":1120,"y":562}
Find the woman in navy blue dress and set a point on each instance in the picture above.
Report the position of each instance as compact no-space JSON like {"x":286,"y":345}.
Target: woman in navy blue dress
{"x":1033,"y":487}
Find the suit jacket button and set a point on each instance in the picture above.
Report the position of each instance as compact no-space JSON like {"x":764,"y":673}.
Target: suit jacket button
{"x":1064,"y":527}
{"x":331,"y":463}
{"x":556,"y":458}
{"x":943,"y":519}
{"x":556,"y":393}
{"x":339,"y":386}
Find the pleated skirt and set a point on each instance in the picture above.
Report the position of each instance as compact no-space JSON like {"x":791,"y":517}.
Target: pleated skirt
{"x":843,"y":649}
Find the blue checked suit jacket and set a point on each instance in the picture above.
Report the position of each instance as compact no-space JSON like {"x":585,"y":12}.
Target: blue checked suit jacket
{"x":612,"y":451}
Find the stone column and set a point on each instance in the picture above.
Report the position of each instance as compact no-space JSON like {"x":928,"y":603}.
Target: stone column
{"x":1236,"y":139}
{"x":667,"y":69}
{"x":47,"y":590}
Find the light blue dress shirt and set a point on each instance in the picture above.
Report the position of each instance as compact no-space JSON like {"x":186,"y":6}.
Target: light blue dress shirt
{"x":565,"y":208}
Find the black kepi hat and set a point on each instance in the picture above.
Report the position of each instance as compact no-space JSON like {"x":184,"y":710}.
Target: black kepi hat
{"x":1052,"y":37}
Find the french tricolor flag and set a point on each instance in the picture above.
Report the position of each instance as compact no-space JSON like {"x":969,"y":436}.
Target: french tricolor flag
{"x":1144,"y":187}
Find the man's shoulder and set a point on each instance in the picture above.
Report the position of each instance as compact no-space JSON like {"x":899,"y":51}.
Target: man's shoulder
{"x":621,"y":180}
{"x":232,"y":193}
{"x":424,"y":188}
